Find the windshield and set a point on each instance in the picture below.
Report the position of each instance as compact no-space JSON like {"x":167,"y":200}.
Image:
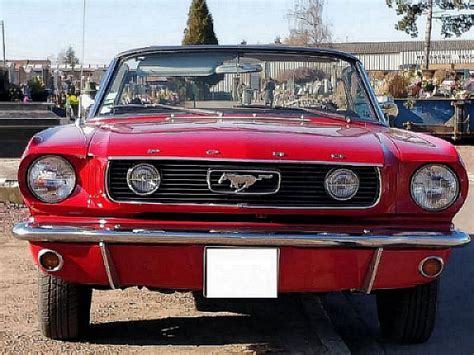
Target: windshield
{"x":232,"y":82}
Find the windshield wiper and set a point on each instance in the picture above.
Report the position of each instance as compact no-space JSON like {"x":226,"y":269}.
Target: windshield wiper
{"x":161,"y":107}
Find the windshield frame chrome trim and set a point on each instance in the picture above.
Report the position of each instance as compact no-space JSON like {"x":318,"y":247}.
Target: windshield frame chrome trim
{"x":103,"y":87}
{"x":372,"y":98}
{"x":313,"y":52}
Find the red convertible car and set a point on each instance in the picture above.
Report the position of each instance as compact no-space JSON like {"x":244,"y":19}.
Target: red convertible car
{"x":241,"y":172}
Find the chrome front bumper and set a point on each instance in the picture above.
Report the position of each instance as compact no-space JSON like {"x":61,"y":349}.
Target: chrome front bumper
{"x":72,"y":234}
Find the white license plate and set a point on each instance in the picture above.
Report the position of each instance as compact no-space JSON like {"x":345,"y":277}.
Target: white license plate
{"x":241,"y":272}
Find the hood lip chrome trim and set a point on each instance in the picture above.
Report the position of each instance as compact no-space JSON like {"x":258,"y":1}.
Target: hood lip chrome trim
{"x":237,"y":160}
{"x":240,"y":206}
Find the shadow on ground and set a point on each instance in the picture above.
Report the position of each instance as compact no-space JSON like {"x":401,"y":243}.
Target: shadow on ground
{"x":355,"y":315}
{"x":201,"y":330}
{"x":269,"y":325}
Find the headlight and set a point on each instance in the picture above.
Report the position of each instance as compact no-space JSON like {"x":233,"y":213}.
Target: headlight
{"x":434,"y":187}
{"x":51,"y":179}
{"x":342,"y":184}
{"x":143,"y":179}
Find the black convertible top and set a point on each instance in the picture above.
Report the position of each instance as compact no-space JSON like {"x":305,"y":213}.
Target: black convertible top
{"x":266,"y":49}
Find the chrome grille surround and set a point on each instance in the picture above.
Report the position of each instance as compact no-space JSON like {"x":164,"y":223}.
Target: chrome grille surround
{"x":244,"y":201}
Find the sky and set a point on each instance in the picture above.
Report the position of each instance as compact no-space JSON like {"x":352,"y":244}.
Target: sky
{"x":38,"y":29}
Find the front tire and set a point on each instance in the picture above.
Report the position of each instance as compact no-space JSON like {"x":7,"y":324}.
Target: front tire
{"x":63,"y":308}
{"x":408,"y":315}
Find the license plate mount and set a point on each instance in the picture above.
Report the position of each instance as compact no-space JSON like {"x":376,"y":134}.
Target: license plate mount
{"x":241,"y":272}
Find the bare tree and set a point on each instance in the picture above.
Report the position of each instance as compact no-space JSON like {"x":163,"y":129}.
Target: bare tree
{"x":61,"y":57}
{"x":308,"y":27}
{"x":429,"y":25}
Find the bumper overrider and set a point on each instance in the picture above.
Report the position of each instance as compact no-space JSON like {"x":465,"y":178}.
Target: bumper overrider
{"x":172,"y":259}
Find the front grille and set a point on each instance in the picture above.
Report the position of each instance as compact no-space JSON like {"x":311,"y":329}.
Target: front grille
{"x":185,"y":182}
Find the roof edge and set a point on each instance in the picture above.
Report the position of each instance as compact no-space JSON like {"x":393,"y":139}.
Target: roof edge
{"x":244,"y":48}
{"x":386,"y":47}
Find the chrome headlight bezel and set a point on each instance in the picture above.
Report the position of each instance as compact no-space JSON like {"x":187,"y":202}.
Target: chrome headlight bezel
{"x":341,"y":170}
{"x":147,"y":166}
{"x":66,"y":166}
{"x":455,"y":196}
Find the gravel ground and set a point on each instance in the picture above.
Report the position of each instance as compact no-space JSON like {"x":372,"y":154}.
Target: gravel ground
{"x":9,"y":169}
{"x":134,"y":320}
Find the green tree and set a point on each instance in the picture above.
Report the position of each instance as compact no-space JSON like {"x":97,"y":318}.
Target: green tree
{"x":456,"y":16}
{"x":200,"y":30}
{"x":200,"y":26}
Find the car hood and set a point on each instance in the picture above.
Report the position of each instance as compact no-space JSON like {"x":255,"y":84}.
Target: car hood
{"x":240,"y":139}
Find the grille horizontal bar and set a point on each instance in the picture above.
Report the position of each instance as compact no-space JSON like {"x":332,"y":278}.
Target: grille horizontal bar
{"x":185,"y":182}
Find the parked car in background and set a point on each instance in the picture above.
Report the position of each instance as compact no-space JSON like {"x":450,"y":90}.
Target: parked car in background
{"x":182,"y":186}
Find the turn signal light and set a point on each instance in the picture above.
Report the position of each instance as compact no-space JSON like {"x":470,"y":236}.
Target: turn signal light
{"x":50,"y":260}
{"x":431,"y":266}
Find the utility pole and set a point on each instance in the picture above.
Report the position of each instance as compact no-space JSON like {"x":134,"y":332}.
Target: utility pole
{"x":427,"y":49}
{"x":3,"y":46}
{"x":81,"y":82}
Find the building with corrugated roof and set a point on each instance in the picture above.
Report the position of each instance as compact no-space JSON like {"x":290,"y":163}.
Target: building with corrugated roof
{"x":386,"y":56}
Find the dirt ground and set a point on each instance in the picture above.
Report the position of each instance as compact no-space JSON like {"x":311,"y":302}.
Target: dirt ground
{"x":133,"y":320}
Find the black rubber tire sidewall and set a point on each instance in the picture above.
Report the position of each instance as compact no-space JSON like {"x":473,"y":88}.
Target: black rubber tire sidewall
{"x":408,"y":315}
{"x":63,"y":308}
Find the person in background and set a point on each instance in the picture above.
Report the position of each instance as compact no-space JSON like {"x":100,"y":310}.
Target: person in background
{"x":240,"y":90}
{"x":469,"y":83}
{"x":417,"y":90}
{"x":25,"y":89}
{"x":269,"y":92}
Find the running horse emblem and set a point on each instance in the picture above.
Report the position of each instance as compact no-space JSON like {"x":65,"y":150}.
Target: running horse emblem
{"x":241,"y":182}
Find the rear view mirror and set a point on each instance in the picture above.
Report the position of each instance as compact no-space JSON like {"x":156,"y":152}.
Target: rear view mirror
{"x":234,"y":68}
